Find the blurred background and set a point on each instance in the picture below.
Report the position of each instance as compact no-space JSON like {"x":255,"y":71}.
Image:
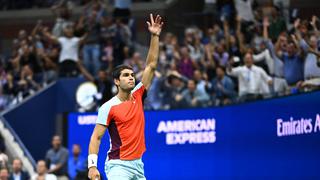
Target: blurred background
{"x":235,"y":94}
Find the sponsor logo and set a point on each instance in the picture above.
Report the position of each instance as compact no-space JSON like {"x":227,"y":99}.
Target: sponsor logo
{"x":87,"y":119}
{"x":193,"y":131}
{"x":300,"y":126}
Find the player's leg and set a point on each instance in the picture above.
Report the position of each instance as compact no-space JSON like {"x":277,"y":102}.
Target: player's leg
{"x":139,"y":166}
{"x":118,"y":177}
{"x":119,"y":170}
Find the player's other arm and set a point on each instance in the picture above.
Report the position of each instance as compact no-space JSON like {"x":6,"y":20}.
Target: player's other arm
{"x":94,"y":145}
{"x":154,"y":27}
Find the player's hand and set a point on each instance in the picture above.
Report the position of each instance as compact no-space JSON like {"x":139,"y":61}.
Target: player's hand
{"x":155,"y":25}
{"x":94,"y":174}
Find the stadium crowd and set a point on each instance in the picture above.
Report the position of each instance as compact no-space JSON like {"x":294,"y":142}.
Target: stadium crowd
{"x":251,"y":52}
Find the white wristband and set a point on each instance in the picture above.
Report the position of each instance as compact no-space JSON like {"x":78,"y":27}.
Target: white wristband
{"x":92,"y":160}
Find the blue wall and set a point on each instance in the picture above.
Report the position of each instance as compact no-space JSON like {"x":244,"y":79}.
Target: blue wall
{"x":247,"y":144}
{"x":34,"y":120}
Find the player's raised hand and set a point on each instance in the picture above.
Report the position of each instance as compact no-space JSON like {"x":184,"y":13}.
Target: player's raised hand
{"x":155,"y":24}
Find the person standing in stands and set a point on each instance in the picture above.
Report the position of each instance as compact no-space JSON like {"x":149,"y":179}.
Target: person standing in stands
{"x":57,"y":159}
{"x":69,"y":56}
{"x":254,"y":82}
{"x":17,"y":172}
{"x":77,"y":164}
{"x":124,"y":118}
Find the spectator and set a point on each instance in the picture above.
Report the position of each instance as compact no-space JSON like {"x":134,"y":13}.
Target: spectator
{"x":28,"y":57}
{"x":168,"y":45}
{"x":288,"y":60}
{"x":277,"y":25}
{"x":311,"y":70}
{"x":122,"y":10}
{"x":42,"y":172}
{"x":57,"y":158}
{"x":244,"y":10}
{"x":28,"y":84}
{"x":220,"y":55}
{"x":293,"y":64}
{"x":63,"y":12}
{"x":222,"y":88}
{"x":185,"y":65}
{"x":69,"y":51}
{"x":107,"y":53}
{"x":172,"y":88}
{"x":3,"y":160}
{"x":50,"y":66}
{"x":11,"y":87}
{"x":292,"y":56}
{"x":94,"y":18}
{"x":210,"y":7}
{"x":77,"y":164}
{"x":193,"y":97}
{"x":231,"y":41}
{"x":4,"y":173}
{"x":154,"y":97}
{"x":17,"y":172}
{"x":121,"y":38}
{"x":253,"y":80}
{"x":274,"y":63}
{"x":193,"y":43}
{"x":201,"y":81}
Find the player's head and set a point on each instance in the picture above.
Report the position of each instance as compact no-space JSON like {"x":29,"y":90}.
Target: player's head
{"x":123,"y":77}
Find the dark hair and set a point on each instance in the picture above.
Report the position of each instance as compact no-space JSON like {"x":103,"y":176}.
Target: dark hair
{"x":192,"y":80}
{"x":117,"y":70}
{"x":221,"y":67}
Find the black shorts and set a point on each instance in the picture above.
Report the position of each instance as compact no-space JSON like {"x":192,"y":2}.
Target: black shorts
{"x":68,"y":68}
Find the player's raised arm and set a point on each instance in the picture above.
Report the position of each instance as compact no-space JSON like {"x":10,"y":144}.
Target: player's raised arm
{"x":154,"y":27}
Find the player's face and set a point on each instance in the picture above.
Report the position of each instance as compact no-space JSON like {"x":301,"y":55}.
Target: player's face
{"x":126,"y":80}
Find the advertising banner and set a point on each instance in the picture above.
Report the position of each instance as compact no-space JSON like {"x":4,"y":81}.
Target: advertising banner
{"x":272,"y":139}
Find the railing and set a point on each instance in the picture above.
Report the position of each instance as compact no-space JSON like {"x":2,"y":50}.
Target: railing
{"x":15,"y":147}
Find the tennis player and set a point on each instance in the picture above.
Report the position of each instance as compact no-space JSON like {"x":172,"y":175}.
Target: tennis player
{"x":123,"y":116}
